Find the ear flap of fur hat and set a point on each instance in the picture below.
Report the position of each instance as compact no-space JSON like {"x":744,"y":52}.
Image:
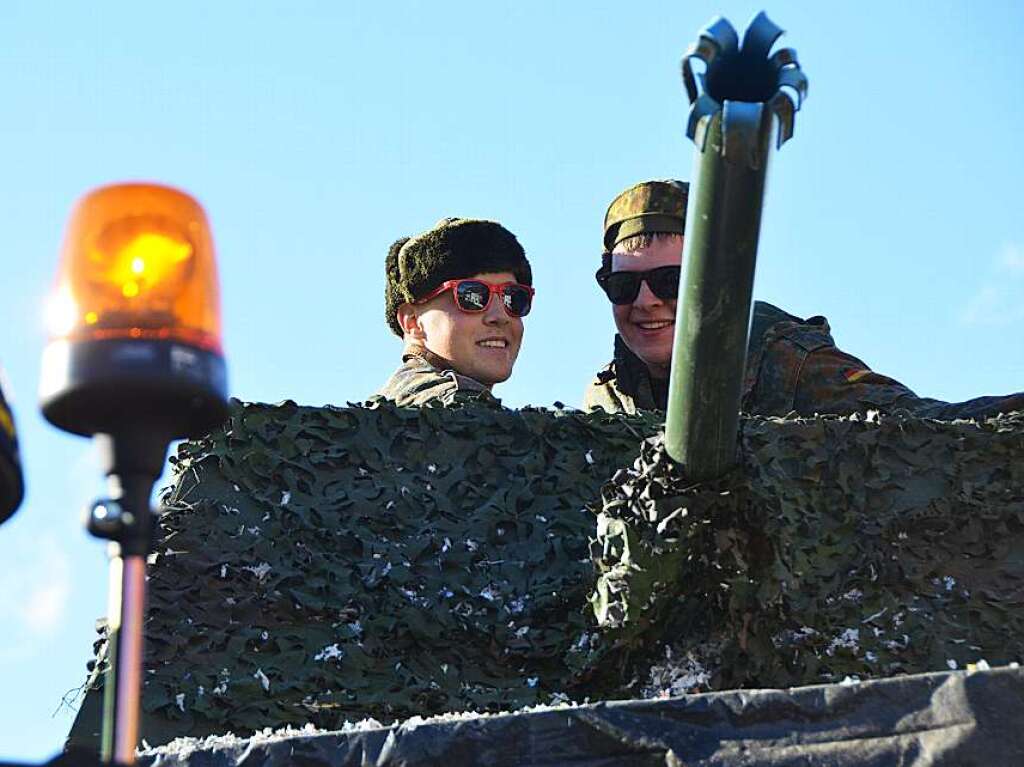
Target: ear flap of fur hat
{"x":393,"y":297}
{"x":454,"y":249}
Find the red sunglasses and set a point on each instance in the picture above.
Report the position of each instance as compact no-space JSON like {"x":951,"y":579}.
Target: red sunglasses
{"x":475,"y":295}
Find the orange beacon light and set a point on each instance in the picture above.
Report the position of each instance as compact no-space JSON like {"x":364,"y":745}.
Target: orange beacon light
{"x":134,"y":318}
{"x":134,"y":359}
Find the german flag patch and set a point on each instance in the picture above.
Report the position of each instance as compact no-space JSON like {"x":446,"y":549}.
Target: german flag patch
{"x":852,"y":375}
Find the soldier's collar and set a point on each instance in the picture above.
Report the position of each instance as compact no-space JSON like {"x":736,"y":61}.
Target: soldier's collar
{"x":630,"y":369}
{"x":419,"y":351}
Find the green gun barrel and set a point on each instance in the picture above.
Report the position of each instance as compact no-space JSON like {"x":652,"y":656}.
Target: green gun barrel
{"x":743,"y":109}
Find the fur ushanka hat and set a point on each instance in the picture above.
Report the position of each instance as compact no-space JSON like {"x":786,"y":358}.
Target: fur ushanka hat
{"x":453,"y":249}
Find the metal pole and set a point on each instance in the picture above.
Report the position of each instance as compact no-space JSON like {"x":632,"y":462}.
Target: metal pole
{"x":744,"y":109}
{"x":123,"y":693}
{"x":133,"y":462}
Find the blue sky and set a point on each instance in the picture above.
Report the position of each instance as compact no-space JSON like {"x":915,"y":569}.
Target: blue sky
{"x":316,"y":133}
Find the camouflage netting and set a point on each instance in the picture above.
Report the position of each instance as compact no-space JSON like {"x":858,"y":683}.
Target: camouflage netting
{"x":329,"y":564}
{"x":324,"y":564}
{"x":842,"y":547}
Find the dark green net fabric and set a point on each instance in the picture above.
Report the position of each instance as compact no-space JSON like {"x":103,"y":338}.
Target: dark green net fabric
{"x":329,"y":564}
{"x":322,"y":564}
{"x":840,"y":548}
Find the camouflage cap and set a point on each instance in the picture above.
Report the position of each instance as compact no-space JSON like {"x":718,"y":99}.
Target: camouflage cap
{"x":649,"y":207}
{"x":454,"y":248}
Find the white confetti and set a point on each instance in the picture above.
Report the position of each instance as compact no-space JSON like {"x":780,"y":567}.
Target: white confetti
{"x":260,"y":571}
{"x":331,"y":652}
{"x":264,"y":682}
{"x":849,"y":640}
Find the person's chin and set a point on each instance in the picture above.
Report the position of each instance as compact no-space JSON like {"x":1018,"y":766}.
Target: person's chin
{"x":490,"y":375}
{"x":498,"y":376}
{"x":651,"y":352}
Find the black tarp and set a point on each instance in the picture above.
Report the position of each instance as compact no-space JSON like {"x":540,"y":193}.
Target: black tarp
{"x":952,"y":718}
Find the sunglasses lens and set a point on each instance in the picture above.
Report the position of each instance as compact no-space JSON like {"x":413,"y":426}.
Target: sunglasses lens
{"x":472,"y":296}
{"x":517,"y":300}
{"x":622,"y":287}
{"x":664,"y":282}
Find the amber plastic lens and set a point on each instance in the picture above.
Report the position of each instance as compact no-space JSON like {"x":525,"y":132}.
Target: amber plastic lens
{"x":137,"y":262}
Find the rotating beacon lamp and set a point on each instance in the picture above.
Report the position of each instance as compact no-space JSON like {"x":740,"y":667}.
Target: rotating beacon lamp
{"x":134,"y":360}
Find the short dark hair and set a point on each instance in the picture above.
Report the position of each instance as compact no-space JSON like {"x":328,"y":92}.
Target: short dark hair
{"x":634,"y":243}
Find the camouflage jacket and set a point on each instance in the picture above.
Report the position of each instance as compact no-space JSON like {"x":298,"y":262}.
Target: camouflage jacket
{"x":793,"y":365}
{"x":425,"y":377}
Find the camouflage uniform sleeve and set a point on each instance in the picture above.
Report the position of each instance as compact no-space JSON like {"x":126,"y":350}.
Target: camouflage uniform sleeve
{"x":798,"y":367}
{"x":776,"y":367}
{"x":832,"y":381}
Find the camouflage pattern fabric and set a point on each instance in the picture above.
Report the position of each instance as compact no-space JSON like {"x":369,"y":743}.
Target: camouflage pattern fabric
{"x":626,"y":386}
{"x":648,"y":207}
{"x":832,"y":381}
{"x":323,"y":564}
{"x":841,"y":547}
{"x":793,"y":366}
{"x":623,"y":386}
{"x":424,"y":377}
{"x":950,"y":719}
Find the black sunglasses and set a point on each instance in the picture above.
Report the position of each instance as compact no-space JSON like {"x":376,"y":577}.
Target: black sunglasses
{"x":624,"y":287}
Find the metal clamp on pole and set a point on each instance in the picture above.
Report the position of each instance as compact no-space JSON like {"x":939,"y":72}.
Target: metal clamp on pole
{"x":742,"y":106}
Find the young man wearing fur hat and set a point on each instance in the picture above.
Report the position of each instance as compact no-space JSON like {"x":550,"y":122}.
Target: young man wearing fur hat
{"x":456,"y":295}
{"x":792,"y":364}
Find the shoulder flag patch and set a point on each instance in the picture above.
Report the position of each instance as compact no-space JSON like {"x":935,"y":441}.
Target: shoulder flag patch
{"x":853,"y":375}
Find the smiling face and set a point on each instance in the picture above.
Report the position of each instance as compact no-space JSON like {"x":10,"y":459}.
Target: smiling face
{"x":648,"y":324}
{"x":482,"y":345}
